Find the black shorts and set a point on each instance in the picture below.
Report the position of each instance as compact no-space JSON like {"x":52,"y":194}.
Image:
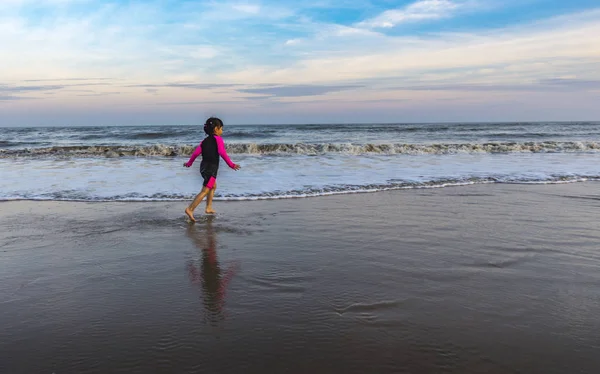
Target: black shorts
{"x":209,"y":174}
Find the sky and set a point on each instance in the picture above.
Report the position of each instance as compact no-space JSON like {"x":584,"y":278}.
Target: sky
{"x":117,"y":62}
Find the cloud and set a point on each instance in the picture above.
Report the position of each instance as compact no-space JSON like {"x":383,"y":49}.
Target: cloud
{"x":544,"y":85}
{"x":101,"y":94}
{"x":247,"y":8}
{"x":20,"y":3}
{"x":254,"y":98}
{"x":203,"y":102}
{"x":49,"y":89}
{"x":31,"y":88}
{"x":212,"y":13}
{"x":67,"y":79}
{"x":570,"y":83}
{"x":15,"y":93}
{"x":13,"y":98}
{"x":343,"y":31}
{"x":195,"y":86}
{"x":422,"y":10}
{"x":297,"y":90}
{"x":204,"y":52}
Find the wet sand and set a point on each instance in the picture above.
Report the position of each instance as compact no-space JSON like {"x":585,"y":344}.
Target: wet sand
{"x":478,"y":279}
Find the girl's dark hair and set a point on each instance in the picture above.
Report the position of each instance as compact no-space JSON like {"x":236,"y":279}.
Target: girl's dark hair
{"x":211,"y":124}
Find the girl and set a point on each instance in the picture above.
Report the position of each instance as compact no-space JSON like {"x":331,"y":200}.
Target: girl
{"x":211,"y":148}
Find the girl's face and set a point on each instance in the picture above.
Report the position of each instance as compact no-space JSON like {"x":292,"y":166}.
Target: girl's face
{"x":218,"y":131}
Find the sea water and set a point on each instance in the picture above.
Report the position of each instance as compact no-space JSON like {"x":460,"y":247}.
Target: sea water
{"x":281,"y":161}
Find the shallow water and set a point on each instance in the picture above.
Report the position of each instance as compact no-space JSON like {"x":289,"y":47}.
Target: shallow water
{"x":272,"y":177}
{"x":495,"y":279}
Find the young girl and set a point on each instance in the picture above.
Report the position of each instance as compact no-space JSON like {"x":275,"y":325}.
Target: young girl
{"x":211,"y":148}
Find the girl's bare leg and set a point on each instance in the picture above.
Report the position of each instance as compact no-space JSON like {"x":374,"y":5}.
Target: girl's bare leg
{"x":197,"y":200}
{"x":209,"y":199}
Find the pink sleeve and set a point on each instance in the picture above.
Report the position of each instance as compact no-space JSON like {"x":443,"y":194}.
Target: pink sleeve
{"x":196,"y":153}
{"x":223,"y":152}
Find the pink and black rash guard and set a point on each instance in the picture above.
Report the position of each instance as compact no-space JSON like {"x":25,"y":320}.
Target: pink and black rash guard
{"x":211,"y":148}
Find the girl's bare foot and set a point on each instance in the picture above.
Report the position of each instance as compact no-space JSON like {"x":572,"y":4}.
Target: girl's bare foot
{"x":190,"y":214}
{"x":209,"y":211}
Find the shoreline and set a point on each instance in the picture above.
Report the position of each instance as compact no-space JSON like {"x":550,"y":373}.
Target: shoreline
{"x":319,"y":195}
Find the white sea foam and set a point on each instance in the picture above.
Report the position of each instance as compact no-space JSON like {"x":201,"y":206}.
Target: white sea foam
{"x":272,"y":177}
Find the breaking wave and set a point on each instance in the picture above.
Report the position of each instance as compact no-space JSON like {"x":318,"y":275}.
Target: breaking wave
{"x":308,"y":149}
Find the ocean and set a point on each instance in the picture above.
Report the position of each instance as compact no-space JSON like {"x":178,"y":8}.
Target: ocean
{"x":284,"y":161}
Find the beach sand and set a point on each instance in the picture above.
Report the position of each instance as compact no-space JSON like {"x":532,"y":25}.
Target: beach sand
{"x":476,"y":279}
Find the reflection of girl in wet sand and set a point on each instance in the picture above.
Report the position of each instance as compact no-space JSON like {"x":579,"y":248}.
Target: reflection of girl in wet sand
{"x":209,"y":274}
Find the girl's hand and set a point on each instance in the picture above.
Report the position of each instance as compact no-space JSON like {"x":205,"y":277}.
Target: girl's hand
{"x":186,"y":165}
{"x":236,"y":167}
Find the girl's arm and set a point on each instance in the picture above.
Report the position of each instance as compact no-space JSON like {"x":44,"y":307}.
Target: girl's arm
{"x":196,"y":153}
{"x":223,"y":153}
